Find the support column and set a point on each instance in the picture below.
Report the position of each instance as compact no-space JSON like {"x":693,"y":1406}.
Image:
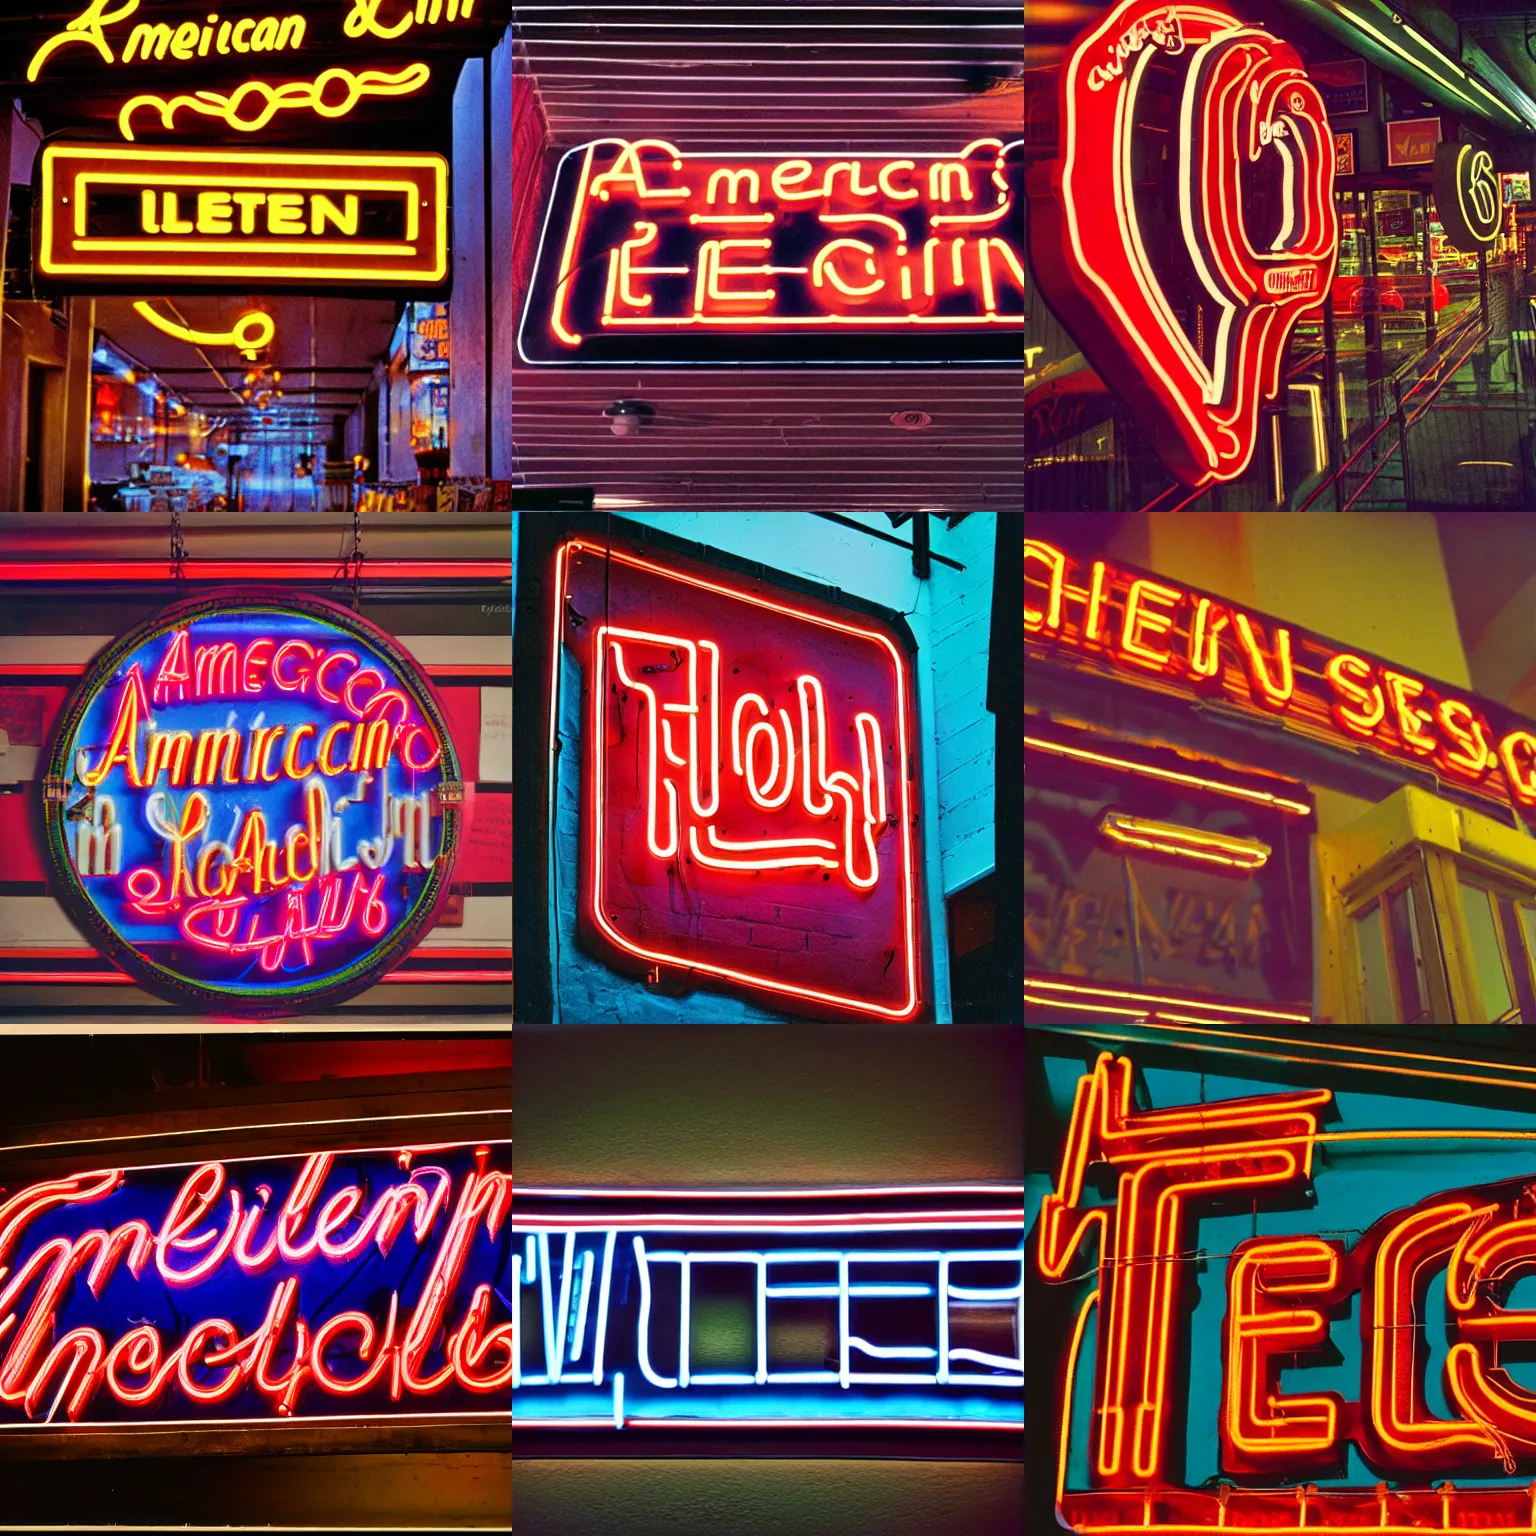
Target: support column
{"x":74,"y":493}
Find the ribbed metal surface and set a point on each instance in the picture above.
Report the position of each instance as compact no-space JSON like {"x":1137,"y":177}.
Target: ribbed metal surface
{"x":860,"y":77}
{"x":795,"y":75}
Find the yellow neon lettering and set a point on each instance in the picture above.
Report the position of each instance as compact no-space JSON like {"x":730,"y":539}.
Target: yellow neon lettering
{"x":249,"y":334}
{"x":205,"y":39}
{"x":285,"y":213}
{"x":886,"y":171}
{"x":734,"y":179}
{"x":941,"y":176}
{"x":87,"y":27}
{"x":264,"y":38}
{"x":146,"y":38}
{"x":291,"y":767}
{"x":184,"y":43}
{"x":171,"y":221}
{"x":323,"y":756}
{"x":239,"y":39}
{"x":788,"y":176}
{"x":364,"y":19}
{"x":147,"y":213}
{"x":268,"y":100}
{"x":213,"y":213}
{"x":321,"y":209}
{"x":291,"y":33}
{"x":248,"y":203}
{"x":222,"y":45}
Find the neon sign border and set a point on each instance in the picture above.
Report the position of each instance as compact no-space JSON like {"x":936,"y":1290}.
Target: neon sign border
{"x":1176,"y":1509}
{"x":54,"y":1428}
{"x":394,"y":945}
{"x":432,"y":171}
{"x":937,"y":1212}
{"x":536,"y":290}
{"x":905,"y":1014}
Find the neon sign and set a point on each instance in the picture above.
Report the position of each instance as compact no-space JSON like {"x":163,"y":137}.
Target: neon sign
{"x":1128,"y":624}
{"x":126,"y":33}
{"x":1418,"y":1304}
{"x":888,"y":1308}
{"x":252,"y":803}
{"x":748,"y":800}
{"x":651,"y":255}
{"x":1469,"y":196}
{"x":335,"y":1285}
{"x":227,"y":218}
{"x":1239,"y":187}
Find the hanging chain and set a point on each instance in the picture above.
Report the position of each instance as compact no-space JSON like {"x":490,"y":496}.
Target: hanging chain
{"x":178,"y":548}
{"x":357,"y":554}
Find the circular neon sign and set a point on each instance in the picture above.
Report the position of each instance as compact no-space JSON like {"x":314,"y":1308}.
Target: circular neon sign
{"x":252,"y":803}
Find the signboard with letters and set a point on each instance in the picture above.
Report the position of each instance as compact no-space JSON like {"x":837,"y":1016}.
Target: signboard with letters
{"x":342,"y":1285}
{"x":1412,"y":140}
{"x":1115,"y":620}
{"x":114,"y":216}
{"x":884,"y":1308}
{"x":1343,"y":84}
{"x":655,"y":254}
{"x":253,"y":803}
{"x":1198,"y":390}
{"x":1287,"y":1307}
{"x":749,"y":802}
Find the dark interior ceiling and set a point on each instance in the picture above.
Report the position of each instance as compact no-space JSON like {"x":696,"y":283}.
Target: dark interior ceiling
{"x":783,"y":76}
{"x":325,"y":349}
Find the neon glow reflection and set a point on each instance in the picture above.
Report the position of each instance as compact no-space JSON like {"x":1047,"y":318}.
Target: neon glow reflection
{"x":253,"y":811}
{"x":646,"y":1309}
{"x":369,"y":1282}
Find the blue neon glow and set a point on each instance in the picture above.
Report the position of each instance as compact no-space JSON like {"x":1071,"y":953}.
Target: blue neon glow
{"x":905,"y":1323}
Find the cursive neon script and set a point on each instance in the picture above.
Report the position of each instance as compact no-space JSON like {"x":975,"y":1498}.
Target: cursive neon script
{"x":214,"y":1228}
{"x":1159,"y":31}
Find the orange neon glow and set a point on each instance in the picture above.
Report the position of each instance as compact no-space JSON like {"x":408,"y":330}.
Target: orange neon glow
{"x":1357,"y":708}
{"x":821,"y":242}
{"x":1207,"y":646}
{"x":1283,"y":1295}
{"x":1163,"y":1159}
{"x":1185,"y":842}
{"x":861,"y":796}
{"x":1149,"y":609}
{"x":1151,"y":1000}
{"x":1410,"y":720}
{"x":1257,"y":1423}
{"x":1196,"y":781}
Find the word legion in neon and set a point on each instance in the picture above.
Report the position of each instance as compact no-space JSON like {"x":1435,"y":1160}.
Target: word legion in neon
{"x":226,"y":218}
{"x":746,"y":801}
{"x":686,"y":1309}
{"x":1142,"y":626}
{"x":248,"y":805}
{"x":1427,"y":1289}
{"x":339,"y":1284}
{"x":1241,"y":167}
{"x":652,"y":252}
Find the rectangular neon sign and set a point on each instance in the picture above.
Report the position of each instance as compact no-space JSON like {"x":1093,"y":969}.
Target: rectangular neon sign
{"x":1119,"y":621}
{"x":348,"y":1284}
{"x":888,"y":1307}
{"x":233,"y":218}
{"x":1288,"y":1311}
{"x":651,"y":255}
{"x":749,"y":804}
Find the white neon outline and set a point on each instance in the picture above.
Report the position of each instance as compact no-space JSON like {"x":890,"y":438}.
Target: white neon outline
{"x":566,"y":274}
{"x":907,"y":893}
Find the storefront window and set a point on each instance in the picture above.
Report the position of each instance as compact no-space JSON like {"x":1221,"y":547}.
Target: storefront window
{"x":1477,"y":908}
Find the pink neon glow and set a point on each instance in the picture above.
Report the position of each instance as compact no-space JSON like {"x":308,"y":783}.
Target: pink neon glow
{"x":208,"y":1228}
{"x":863,"y":796}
